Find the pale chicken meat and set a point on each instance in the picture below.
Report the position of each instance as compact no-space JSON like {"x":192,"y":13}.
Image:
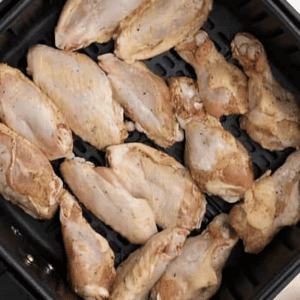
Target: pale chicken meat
{"x":197,"y":273}
{"x":143,"y":268}
{"x":91,"y":270}
{"x":27,"y":178}
{"x":98,"y":188}
{"x":158,"y":25}
{"x":81,"y":91}
{"x":272,"y":203}
{"x":145,"y":98}
{"x":218,"y":162}
{"x":223,"y":86}
{"x":157,"y":177}
{"x":274,"y":117}
{"x":84,"y":22}
{"x":29,"y":112}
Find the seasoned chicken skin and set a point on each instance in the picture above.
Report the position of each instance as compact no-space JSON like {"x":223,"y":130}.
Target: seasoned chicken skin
{"x":223,"y":86}
{"x":158,"y":25}
{"x":82,"y":92}
{"x":98,"y":188}
{"x":27,"y":178}
{"x":84,"y":22}
{"x":272,"y":203}
{"x":140,"y":271}
{"x":197,"y":273}
{"x":157,"y":177}
{"x":29,"y":112}
{"x":145,"y":98}
{"x":274,"y":118}
{"x":218,"y":162}
{"x":90,"y":259}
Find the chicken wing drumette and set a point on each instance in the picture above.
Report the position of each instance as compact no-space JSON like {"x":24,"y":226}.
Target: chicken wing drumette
{"x":223,"y":86}
{"x":274,"y":117}
{"x":272,"y":203}
{"x":218,"y":162}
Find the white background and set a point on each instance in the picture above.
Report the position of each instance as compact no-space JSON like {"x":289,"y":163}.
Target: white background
{"x":295,"y":3}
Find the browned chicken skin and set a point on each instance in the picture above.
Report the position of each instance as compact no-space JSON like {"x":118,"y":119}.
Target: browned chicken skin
{"x":274,"y":118}
{"x":223,"y":86}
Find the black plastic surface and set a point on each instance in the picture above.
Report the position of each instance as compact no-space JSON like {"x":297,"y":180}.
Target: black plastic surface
{"x":26,"y":23}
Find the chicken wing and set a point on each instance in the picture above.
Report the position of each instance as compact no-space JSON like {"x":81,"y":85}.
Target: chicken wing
{"x":27,"y":178}
{"x":223,"y":86}
{"x":100,"y":191}
{"x":272,"y":203}
{"x":29,"y":112}
{"x":139,"y":272}
{"x":145,"y":98}
{"x":81,"y":91}
{"x":158,"y":25}
{"x":274,"y":118}
{"x":90,"y":259}
{"x":197,"y":273}
{"x":84,"y":22}
{"x":157,"y":177}
{"x":218,"y":162}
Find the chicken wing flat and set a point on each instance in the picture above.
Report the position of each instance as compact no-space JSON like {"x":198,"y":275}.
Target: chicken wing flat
{"x":145,"y":98}
{"x":158,"y":25}
{"x":141,"y":270}
{"x":223,"y":86}
{"x":157,"y":177}
{"x":84,"y":22}
{"x":90,"y":259}
{"x":29,"y":112}
{"x":218,"y":162}
{"x":27,"y":178}
{"x":272,"y":203}
{"x":274,"y":118}
{"x":197,"y":273}
{"x":99,"y":190}
{"x":82,"y":92}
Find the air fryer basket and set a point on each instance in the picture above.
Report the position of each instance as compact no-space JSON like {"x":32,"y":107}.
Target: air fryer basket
{"x":32,"y":258}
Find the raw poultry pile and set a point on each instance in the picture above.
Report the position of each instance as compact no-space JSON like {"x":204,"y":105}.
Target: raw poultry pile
{"x":143,"y":193}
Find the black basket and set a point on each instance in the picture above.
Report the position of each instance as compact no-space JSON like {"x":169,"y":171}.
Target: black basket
{"x":33,"y":262}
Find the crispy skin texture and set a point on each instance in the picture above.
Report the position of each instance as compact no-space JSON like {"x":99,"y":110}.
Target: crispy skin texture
{"x":272,"y":203}
{"x":84,"y":22}
{"x":139,"y":272}
{"x":98,"y":188}
{"x":197,"y":273}
{"x":157,"y":177}
{"x":144,"y":96}
{"x":29,"y":112}
{"x":274,"y":118}
{"x":82,"y":92}
{"x":218,"y":162}
{"x":27,"y":178}
{"x":90,"y":259}
{"x":223,"y":86}
{"x":158,"y":25}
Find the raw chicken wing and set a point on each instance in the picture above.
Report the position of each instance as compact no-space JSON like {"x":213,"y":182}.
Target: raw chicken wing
{"x":81,"y":91}
{"x":83,"y":22}
{"x":98,"y":188}
{"x":274,"y":118}
{"x":141,"y":270}
{"x":29,"y":112}
{"x":197,"y":273}
{"x":218,"y":162}
{"x":145,"y":98}
{"x":223,"y":86}
{"x":157,"y":177}
{"x":158,"y":25}
{"x":27,"y":178}
{"x":90,"y":259}
{"x":272,"y":203}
